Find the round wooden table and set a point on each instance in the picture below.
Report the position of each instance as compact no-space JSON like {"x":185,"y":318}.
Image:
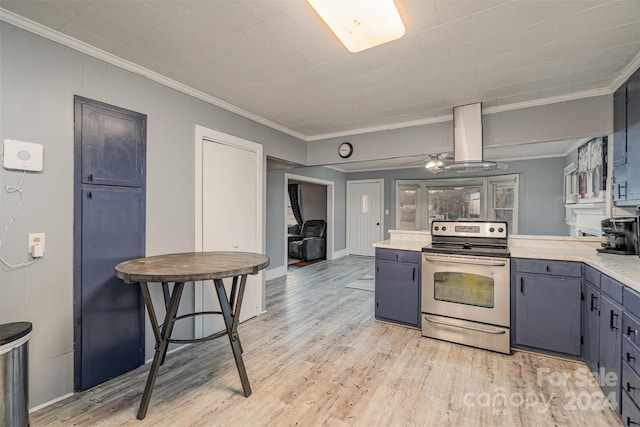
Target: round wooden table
{"x":189,"y":267}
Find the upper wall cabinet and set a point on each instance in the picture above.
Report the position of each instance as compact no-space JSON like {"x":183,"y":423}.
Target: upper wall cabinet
{"x":626,"y":142}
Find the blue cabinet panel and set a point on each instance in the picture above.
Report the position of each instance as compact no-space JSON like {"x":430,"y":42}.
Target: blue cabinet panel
{"x":556,"y":268}
{"x":112,"y":147}
{"x":631,"y":300}
{"x":548,"y":313}
{"x":397,"y":287}
{"x":612,"y":288}
{"x":398,"y":255}
{"x":591,"y":329}
{"x":610,"y":347}
{"x":112,"y":314}
{"x":626,"y":142}
{"x":592,"y":276}
{"x":633,"y":139}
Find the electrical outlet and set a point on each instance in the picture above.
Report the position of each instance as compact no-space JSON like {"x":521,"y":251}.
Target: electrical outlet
{"x":36,"y":244}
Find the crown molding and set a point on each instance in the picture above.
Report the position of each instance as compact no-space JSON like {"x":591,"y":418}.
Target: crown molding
{"x":625,"y":73}
{"x":56,"y":36}
{"x":68,"y":41}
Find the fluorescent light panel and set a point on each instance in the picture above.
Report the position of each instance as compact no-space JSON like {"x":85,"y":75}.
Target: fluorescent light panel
{"x":361,"y":24}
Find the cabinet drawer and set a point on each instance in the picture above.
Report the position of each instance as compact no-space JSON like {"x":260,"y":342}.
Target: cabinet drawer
{"x":631,"y":383}
{"x":630,"y":412}
{"x":631,"y":301}
{"x":611,"y":287}
{"x":397,"y":255}
{"x":631,"y":354}
{"x":631,"y":329}
{"x":556,"y":268}
{"x":592,"y":275}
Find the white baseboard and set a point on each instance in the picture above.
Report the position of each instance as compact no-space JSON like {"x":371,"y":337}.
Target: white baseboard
{"x":340,"y":254}
{"x":275,"y":272}
{"x":51,"y":402}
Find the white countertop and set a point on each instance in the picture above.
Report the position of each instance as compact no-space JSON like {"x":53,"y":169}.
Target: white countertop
{"x":624,"y":268}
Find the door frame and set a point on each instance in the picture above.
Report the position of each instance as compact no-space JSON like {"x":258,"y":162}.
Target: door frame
{"x":330,"y":211}
{"x":201,"y":134}
{"x":349,"y":207}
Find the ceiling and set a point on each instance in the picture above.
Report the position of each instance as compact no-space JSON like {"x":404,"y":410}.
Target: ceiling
{"x":276,"y":62}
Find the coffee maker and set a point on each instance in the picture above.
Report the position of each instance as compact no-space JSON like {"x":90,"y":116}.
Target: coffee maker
{"x":620,"y":236}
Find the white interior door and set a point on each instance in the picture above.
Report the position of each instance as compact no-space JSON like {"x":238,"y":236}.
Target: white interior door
{"x":231,"y":219}
{"x":364,"y":216}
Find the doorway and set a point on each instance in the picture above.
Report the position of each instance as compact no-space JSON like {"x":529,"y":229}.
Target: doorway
{"x":364,"y":215}
{"x":229,"y":177}
{"x":328,"y":185}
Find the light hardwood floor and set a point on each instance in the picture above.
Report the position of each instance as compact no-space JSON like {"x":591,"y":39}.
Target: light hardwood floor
{"x":318,"y":357}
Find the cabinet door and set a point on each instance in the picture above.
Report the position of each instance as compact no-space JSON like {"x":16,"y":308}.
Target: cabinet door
{"x":610,"y":349}
{"x":591,"y":333}
{"x":112,"y":146}
{"x":397,"y":292}
{"x":633,"y":138}
{"x":620,"y":126}
{"x":548,"y":313}
{"x":112,"y":341}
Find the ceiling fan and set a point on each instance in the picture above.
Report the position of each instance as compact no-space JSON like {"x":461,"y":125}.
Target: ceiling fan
{"x":435,"y":162}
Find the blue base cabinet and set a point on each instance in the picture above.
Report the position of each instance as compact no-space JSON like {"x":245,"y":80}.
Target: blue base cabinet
{"x":546,"y":313}
{"x":591,"y":318}
{"x":397,"y":286}
{"x":630,"y":380}
{"x":603,"y":328}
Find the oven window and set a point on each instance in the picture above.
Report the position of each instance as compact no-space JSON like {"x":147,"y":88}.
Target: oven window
{"x":464,"y":288}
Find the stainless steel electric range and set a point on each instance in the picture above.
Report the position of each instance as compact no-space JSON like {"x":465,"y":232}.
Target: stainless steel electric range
{"x":465,"y":284}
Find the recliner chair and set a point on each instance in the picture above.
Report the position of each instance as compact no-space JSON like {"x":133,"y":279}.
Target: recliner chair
{"x":311,"y":243}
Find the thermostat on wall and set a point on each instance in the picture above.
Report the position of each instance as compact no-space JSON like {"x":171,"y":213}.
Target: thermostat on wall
{"x":22,"y":155}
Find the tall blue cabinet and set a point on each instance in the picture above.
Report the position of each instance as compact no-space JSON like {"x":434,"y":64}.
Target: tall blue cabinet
{"x":109,"y":227}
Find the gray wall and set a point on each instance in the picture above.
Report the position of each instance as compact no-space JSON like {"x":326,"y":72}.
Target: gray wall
{"x":541,"y":206}
{"x":275,"y":209}
{"x":555,"y":122}
{"x":38,"y":79}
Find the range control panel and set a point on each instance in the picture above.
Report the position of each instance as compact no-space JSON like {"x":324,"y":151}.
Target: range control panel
{"x":495,"y":229}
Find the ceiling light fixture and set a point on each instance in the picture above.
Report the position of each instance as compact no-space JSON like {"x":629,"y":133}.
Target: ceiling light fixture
{"x":361,"y":24}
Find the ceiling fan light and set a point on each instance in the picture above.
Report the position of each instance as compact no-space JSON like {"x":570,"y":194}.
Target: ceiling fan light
{"x":430,"y":164}
{"x":361,"y":24}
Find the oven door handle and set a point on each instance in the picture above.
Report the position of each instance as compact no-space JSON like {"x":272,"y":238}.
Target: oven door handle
{"x":488,"y":331}
{"x":466,"y":261}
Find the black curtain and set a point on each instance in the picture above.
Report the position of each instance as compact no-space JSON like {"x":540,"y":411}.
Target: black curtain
{"x":294,"y":197}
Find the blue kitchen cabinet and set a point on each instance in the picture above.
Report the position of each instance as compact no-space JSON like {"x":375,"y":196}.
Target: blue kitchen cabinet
{"x":397,"y":286}
{"x":626,"y":142}
{"x":591,"y":325}
{"x":630,"y":380}
{"x":546,"y":314}
{"x":610,"y":355}
{"x":603,"y":328}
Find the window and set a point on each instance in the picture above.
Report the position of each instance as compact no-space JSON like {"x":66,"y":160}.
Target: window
{"x":503,"y":194}
{"x":493,"y":198}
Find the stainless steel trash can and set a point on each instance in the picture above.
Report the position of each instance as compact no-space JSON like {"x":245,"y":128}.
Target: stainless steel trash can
{"x":14,"y":375}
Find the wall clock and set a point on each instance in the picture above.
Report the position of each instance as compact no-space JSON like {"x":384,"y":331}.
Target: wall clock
{"x":345,"y":150}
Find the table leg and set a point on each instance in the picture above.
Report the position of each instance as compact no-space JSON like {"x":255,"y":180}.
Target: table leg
{"x":231,"y":319}
{"x":161,"y":347}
